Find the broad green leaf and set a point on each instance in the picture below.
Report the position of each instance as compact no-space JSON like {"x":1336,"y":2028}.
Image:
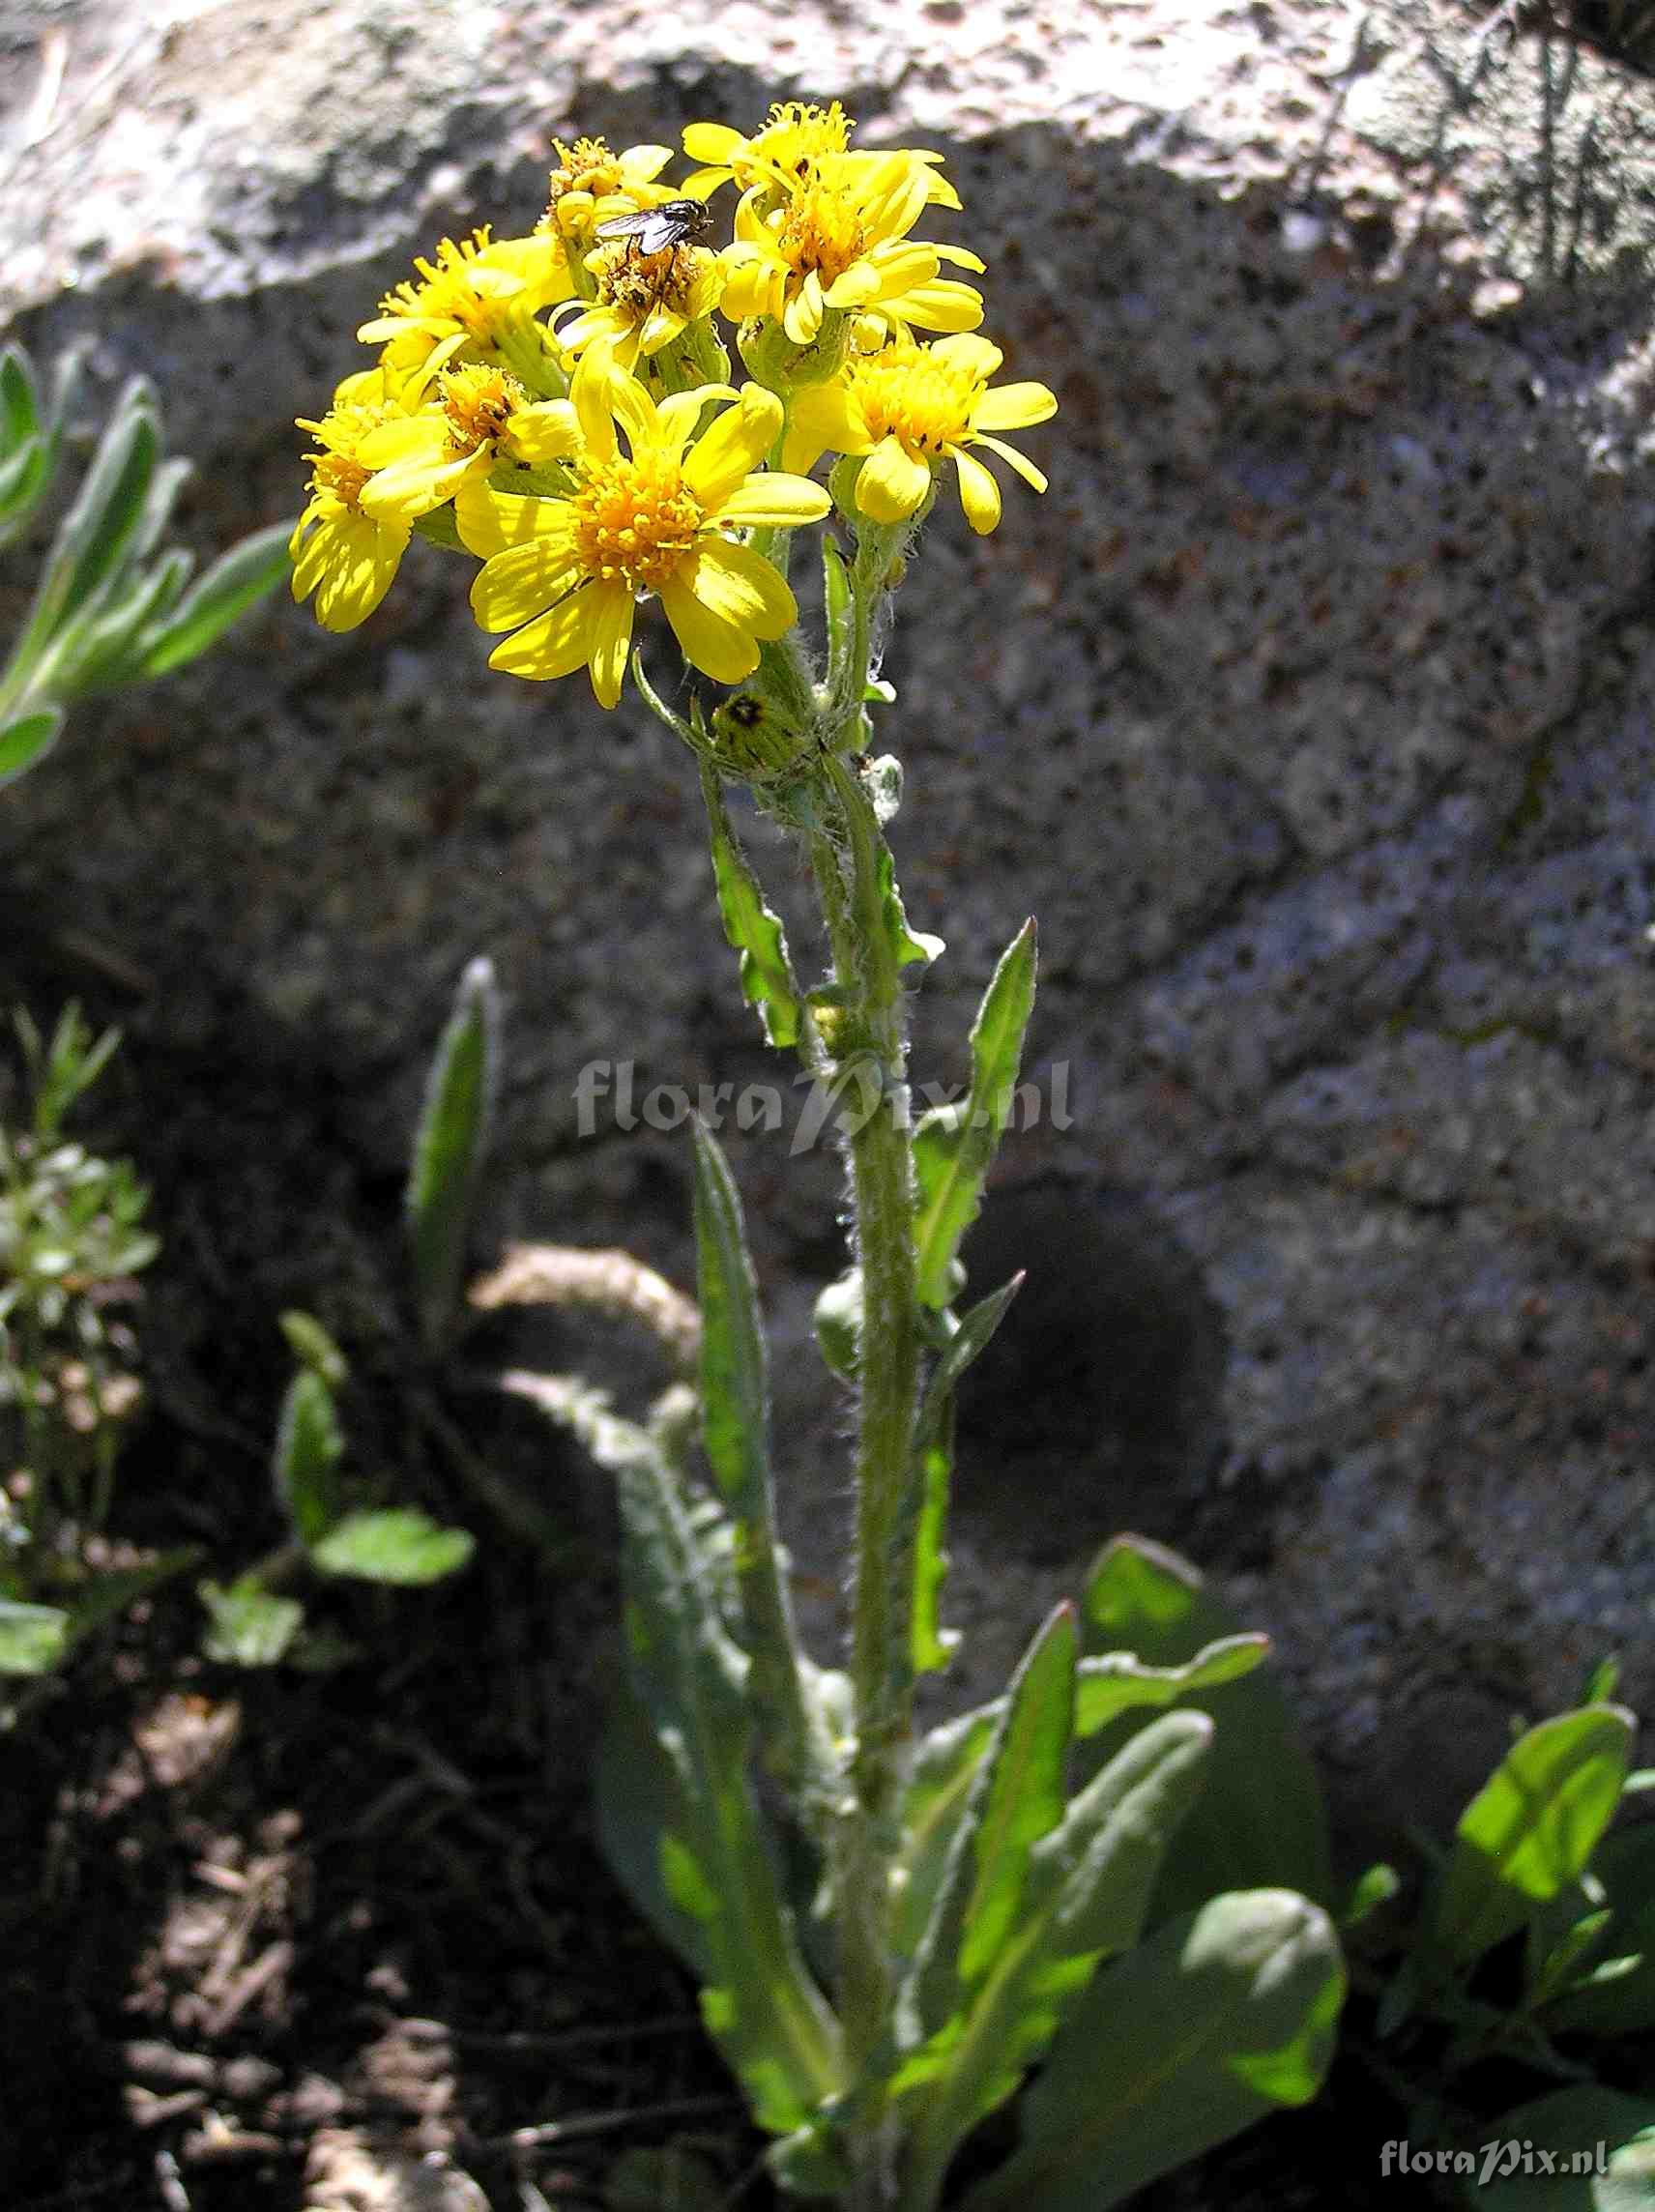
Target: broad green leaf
{"x":953,"y":1145}
{"x":947,"y":1758}
{"x":768,"y":982}
{"x":1213,"y":2021}
{"x":448,"y":1147}
{"x":1087,"y":1891}
{"x":934,"y":1447}
{"x":33,"y":1638}
{"x":1016,"y":1797}
{"x":1262,"y":1824}
{"x":28,"y":739}
{"x":398,"y":1545}
{"x":248,"y":1625}
{"x":1600,"y":2142}
{"x":711,"y":1853}
{"x":1531,"y":1828}
{"x":309,"y":1445}
{"x":1620,"y":2001}
{"x":734,"y":1414}
{"x":235,"y":582}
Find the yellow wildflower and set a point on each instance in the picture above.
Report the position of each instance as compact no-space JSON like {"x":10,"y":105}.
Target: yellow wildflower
{"x":650,"y":515}
{"x":840,"y":241}
{"x":343,"y":554}
{"x":796,"y":137}
{"x":589,"y":178}
{"x":475,"y":297}
{"x":908,"y":408}
{"x":478,"y":415}
{"x":643,"y":300}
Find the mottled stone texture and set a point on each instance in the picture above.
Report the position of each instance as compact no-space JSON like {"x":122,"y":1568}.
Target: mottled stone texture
{"x":1310,"y":711}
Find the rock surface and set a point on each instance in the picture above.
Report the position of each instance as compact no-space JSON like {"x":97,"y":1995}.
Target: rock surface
{"x":1310,"y":711}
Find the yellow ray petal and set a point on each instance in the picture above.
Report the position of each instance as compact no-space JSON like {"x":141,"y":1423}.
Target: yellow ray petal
{"x":611,"y":639}
{"x":740,"y":587}
{"x":1014,"y":406}
{"x":489,"y":520}
{"x":979,"y":494}
{"x":733,"y":446}
{"x":892,"y":484}
{"x":1025,"y":469}
{"x":560,"y":642}
{"x":774,"y":501}
{"x":521,"y":583}
{"x":718,"y":648}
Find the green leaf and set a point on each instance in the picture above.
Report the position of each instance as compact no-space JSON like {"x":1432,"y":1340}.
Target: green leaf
{"x":906,"y":944}
{"x":33,"y":1638}
{"x":1531,"y":1828}
{"x":1016,"y":1797}
{"x":1261,"y":1823}
{"x":449,"y":1147}
{"x":1217,"y":2020}
{"x":398,"y":1545}
{"x":767,"y":980}
{"x":97,"y":652}
{"x":735,"y":1415}
{"x":28,"y":739}
{"x":1088,"y":1888}
{"x":1621,"y":2001}
{"x":953,"y":1145}
{"x":312,"y":1347}
{"x":20,"y":402}
{"x":95,"y":539}
{"x":1592,"y":2124}
{"x":934,"y":1448}
{"x":248,"y":1625}
{"x":707,"y":1841}
{"x":235,"y":582}
{"x":309,"y":1445}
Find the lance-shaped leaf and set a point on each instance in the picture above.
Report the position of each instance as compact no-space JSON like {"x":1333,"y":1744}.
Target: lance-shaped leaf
{"x":1598,"y":2142}
{"x":101,"y":648}
{"x":767,"y":980}
{"x":1618,"y":1997}
{"x":1260,"y":1823}
{"x":1531,"y":1828}
{"x":736,"y":1416}
{"x":96,"y":537}
{"x":235,"y":582}
{"x":934,"y":1448}
{"x":707,"y":1838}
{"x":1217,"y":2020}
{"x":953,"y":1145}
{"x":840,"y":608}
{"x":949,"y":1757}
{"x":1087,"y":1890}
{"x":906,"y":944}
{"x":28,"y":445}
{"x":28,"y":739}
{"x":309,"y":1445}
{"x":448,"y":1147}
{"x":1015,"y":1799}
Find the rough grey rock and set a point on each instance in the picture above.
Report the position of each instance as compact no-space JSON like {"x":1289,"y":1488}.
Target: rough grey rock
{"x":1309,"y":711}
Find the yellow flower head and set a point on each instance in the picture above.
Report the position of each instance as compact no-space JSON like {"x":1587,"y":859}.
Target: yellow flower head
{"x":643,"y":300}
{"x":343,"y":554}
{"x":649,"y":514}
{"x":590,"y":183}
{"x":908,"y":408}
{"x":474,"y":298}
{"x":797,"y":138}
{"x":473,"y":417}
{"x":840,"y":241}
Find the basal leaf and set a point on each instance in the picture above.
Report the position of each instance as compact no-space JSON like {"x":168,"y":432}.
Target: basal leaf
{"x":247,"y":1625}
{"x":33,"y":1638}
{"x":1260,"y":1823}
{"x":1213,"y":2021}
{"x":398,"y":1545}
{"x":1532,"y":1827}
{"x":28,"y":739}
{"x":953,"y":1145}
{"x":309,"y":1445}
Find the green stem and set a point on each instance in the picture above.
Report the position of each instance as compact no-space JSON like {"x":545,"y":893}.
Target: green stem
{"x":881,"y":1180}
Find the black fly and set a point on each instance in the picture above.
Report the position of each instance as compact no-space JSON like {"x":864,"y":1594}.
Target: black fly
{"x":653,"y":230}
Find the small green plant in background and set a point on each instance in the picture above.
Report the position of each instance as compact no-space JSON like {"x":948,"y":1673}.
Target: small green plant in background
{"x":256,"y":1619}
{"x":114,"y":604}
{"x":890,"y":1930}
{"x":72,"y":1241}
{"x":1527,"y":1951}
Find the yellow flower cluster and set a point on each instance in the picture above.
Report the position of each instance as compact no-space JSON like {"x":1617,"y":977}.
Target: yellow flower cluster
{"x":559,"y":405}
